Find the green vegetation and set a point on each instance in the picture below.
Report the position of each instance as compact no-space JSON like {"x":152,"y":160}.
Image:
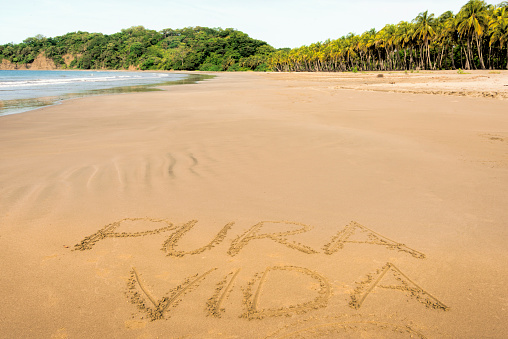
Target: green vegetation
{"x":461,"y":71}
{"x":193,"y":48}
{"x":474,"y":38}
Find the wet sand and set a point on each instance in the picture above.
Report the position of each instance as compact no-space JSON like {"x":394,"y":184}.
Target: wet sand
{"x":258,"y":205}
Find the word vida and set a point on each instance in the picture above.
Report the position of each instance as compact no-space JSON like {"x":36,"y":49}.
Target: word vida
{"x":352,"y":233}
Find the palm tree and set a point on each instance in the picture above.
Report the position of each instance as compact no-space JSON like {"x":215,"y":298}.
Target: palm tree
{"x":424,"y":30}
{"x":446,"y":31}
{"x":473,"y":22}
{"x":499,"y":28}
{"x":388,"y":35}
{"x":369,"y":43}
{"x":403,"y":38}
{"x":350,"y":49}
{"x":381,"y":42}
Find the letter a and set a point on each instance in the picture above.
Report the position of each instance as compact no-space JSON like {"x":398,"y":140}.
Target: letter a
{"x":402,"y":283}
{"x":365,"y":235}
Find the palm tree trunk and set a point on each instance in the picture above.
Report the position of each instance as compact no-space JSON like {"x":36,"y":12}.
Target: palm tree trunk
{"x":422,"y":56}
{"x":489,"y":59}
{"x":480,"y":54}
{"x":507,"y":56}
{"x":411,"y":58}
{"x":452,"y":57}
{"x":468,"y":54}
{"x":471,"y":57}
{"x":461,"y":57}
{"x":388,"y":61}
{"x":428,"y":56}
{"x":441,"y":58}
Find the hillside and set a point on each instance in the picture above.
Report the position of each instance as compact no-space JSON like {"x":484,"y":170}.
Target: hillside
{"x":192,"y":48}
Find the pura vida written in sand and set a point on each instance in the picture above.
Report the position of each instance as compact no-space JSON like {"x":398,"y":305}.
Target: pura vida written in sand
{"x":155,"y":308}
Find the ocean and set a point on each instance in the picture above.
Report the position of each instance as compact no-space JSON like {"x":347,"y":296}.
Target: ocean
{"x":21,"y":91}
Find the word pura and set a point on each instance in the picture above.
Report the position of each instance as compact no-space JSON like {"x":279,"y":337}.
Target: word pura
{"x":363,"y":235}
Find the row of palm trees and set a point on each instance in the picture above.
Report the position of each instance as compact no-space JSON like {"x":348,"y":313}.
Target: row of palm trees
{"x":474,"y":38}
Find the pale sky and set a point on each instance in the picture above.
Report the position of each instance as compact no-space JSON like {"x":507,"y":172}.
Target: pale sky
{"x":281,"y":23}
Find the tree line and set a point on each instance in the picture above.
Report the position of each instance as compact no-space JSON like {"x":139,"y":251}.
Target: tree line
{"x":474,"y":38}
{"x":191,"y":48}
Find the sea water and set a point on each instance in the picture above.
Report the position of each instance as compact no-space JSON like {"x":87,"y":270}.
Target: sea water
{"x":21,"y":91}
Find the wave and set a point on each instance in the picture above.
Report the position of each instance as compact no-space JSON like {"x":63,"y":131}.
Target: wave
{"x":66,"y":80}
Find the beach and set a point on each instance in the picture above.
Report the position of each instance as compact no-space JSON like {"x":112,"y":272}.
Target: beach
{"x":261,"y":205}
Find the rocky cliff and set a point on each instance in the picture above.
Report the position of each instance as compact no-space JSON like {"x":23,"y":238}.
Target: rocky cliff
{"x":40,"y":63}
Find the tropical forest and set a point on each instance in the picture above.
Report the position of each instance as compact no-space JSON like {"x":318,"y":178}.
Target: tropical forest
{"x":474,"y":38}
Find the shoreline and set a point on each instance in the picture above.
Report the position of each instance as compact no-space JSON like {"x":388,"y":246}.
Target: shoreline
{"x":256,"y":205}
{"x":17,"y":106}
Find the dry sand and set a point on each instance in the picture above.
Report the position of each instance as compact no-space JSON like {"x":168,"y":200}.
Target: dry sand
{"x":258,"y":205}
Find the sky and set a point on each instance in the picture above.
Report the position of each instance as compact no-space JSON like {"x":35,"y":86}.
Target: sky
{"x":281,"y":23}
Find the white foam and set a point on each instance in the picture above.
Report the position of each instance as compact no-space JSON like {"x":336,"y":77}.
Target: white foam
{"x":62,"y":81}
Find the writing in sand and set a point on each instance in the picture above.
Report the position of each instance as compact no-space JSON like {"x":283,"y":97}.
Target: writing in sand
{"x":387,"y":277}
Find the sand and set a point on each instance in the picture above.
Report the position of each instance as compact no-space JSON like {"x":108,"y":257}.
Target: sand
{"x":259,"y":205}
